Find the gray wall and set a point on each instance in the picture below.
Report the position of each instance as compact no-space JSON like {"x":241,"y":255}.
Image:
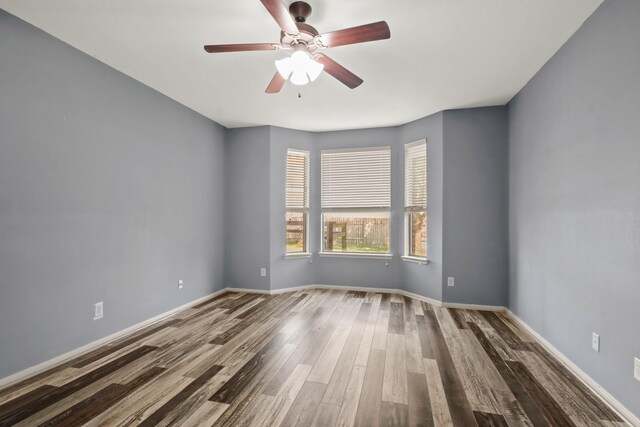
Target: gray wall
{"x":247,"y":207}
{"x":110,"y":192}
{"x":475,"y":206}
{"x":575,"y":199}
{"x":470,"y":151}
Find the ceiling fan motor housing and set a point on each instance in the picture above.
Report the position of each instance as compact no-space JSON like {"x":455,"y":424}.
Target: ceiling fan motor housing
{"x":300,"y":10}
{"x":306,"y":36}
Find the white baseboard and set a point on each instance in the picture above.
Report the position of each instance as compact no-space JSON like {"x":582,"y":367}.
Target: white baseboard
{"x":596,"y":388}
{"x":433,"y":301}
{"x":478,"y":307}
{"x":59,"y":360}
{"x":248,"y":291}
{"x":337,"y":287}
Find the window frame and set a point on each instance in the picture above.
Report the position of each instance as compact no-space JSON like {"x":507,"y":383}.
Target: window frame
{"x":408,"y":210}
{"x":305,"y":253}
{"x":355,"y":210}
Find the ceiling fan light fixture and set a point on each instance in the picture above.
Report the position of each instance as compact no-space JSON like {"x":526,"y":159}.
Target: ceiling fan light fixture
{"x":299,"y":57}
{"x":314,"y":69}
{"x":299,"y":77}
{"x":300,"y":67}
{"x":285,"y":67}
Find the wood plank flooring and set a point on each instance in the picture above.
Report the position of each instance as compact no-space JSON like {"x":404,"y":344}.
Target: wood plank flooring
{"x":312,"y":358}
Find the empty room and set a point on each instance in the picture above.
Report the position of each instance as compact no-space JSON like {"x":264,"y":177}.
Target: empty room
{"x":320,"y":213}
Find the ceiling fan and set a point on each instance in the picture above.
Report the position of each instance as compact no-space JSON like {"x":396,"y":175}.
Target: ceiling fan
{"x":306,"y":62}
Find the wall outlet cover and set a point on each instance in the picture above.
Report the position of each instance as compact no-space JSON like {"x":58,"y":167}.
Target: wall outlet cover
{"x":263,"y":272}
{"x":450,"y":281}
{"x":98,"y":310}
{"x":595,"y":342}
{"x":636,"y":368}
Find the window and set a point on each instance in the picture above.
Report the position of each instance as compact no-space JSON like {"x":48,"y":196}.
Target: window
{"x":297,"y":197}
{"x":356,"y":200}
{"x":415,"y":199}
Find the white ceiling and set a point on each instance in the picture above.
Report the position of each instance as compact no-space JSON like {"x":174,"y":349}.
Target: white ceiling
{"x":442,"y":54}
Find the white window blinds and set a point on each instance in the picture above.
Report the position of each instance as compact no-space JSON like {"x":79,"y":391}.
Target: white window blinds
{"x":297,"y":179}
{"x":356,"y":178}
{"x":415,"y":176}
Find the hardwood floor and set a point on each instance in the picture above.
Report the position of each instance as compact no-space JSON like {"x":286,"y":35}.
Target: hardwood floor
{"x":312,"y":358}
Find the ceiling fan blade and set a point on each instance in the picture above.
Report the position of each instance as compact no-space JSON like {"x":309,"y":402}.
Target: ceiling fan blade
{"x":282,"y":16}
{"x":277,"y":82}
{"x":338,"y":71}
{"x":363,"y":33}
{"x":219,"y":48}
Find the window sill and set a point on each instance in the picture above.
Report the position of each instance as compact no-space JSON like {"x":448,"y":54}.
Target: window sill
{"x":416,"y":260}
{"x":355,"y":255}
{"x":296,"y":255}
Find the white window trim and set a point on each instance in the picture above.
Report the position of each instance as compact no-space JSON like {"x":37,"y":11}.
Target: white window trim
{"x":416,"y":260}
{"x":356,"y":210}
{"x":294,"y":255}
{"x":323,"y":211}
{"x":304,"y":211}
{"x":354,"y":149}
{"x":407,"y":257}
{"x":356,"y":255}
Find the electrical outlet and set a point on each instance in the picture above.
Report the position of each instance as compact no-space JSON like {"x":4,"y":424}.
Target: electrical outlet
{"x":263,"y":272}
{"x":450,"y":281}
{"x":98,"y":310}
{"x":595,"y":342}
{"x":180,"y":284}
{"x":636,"y":368}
